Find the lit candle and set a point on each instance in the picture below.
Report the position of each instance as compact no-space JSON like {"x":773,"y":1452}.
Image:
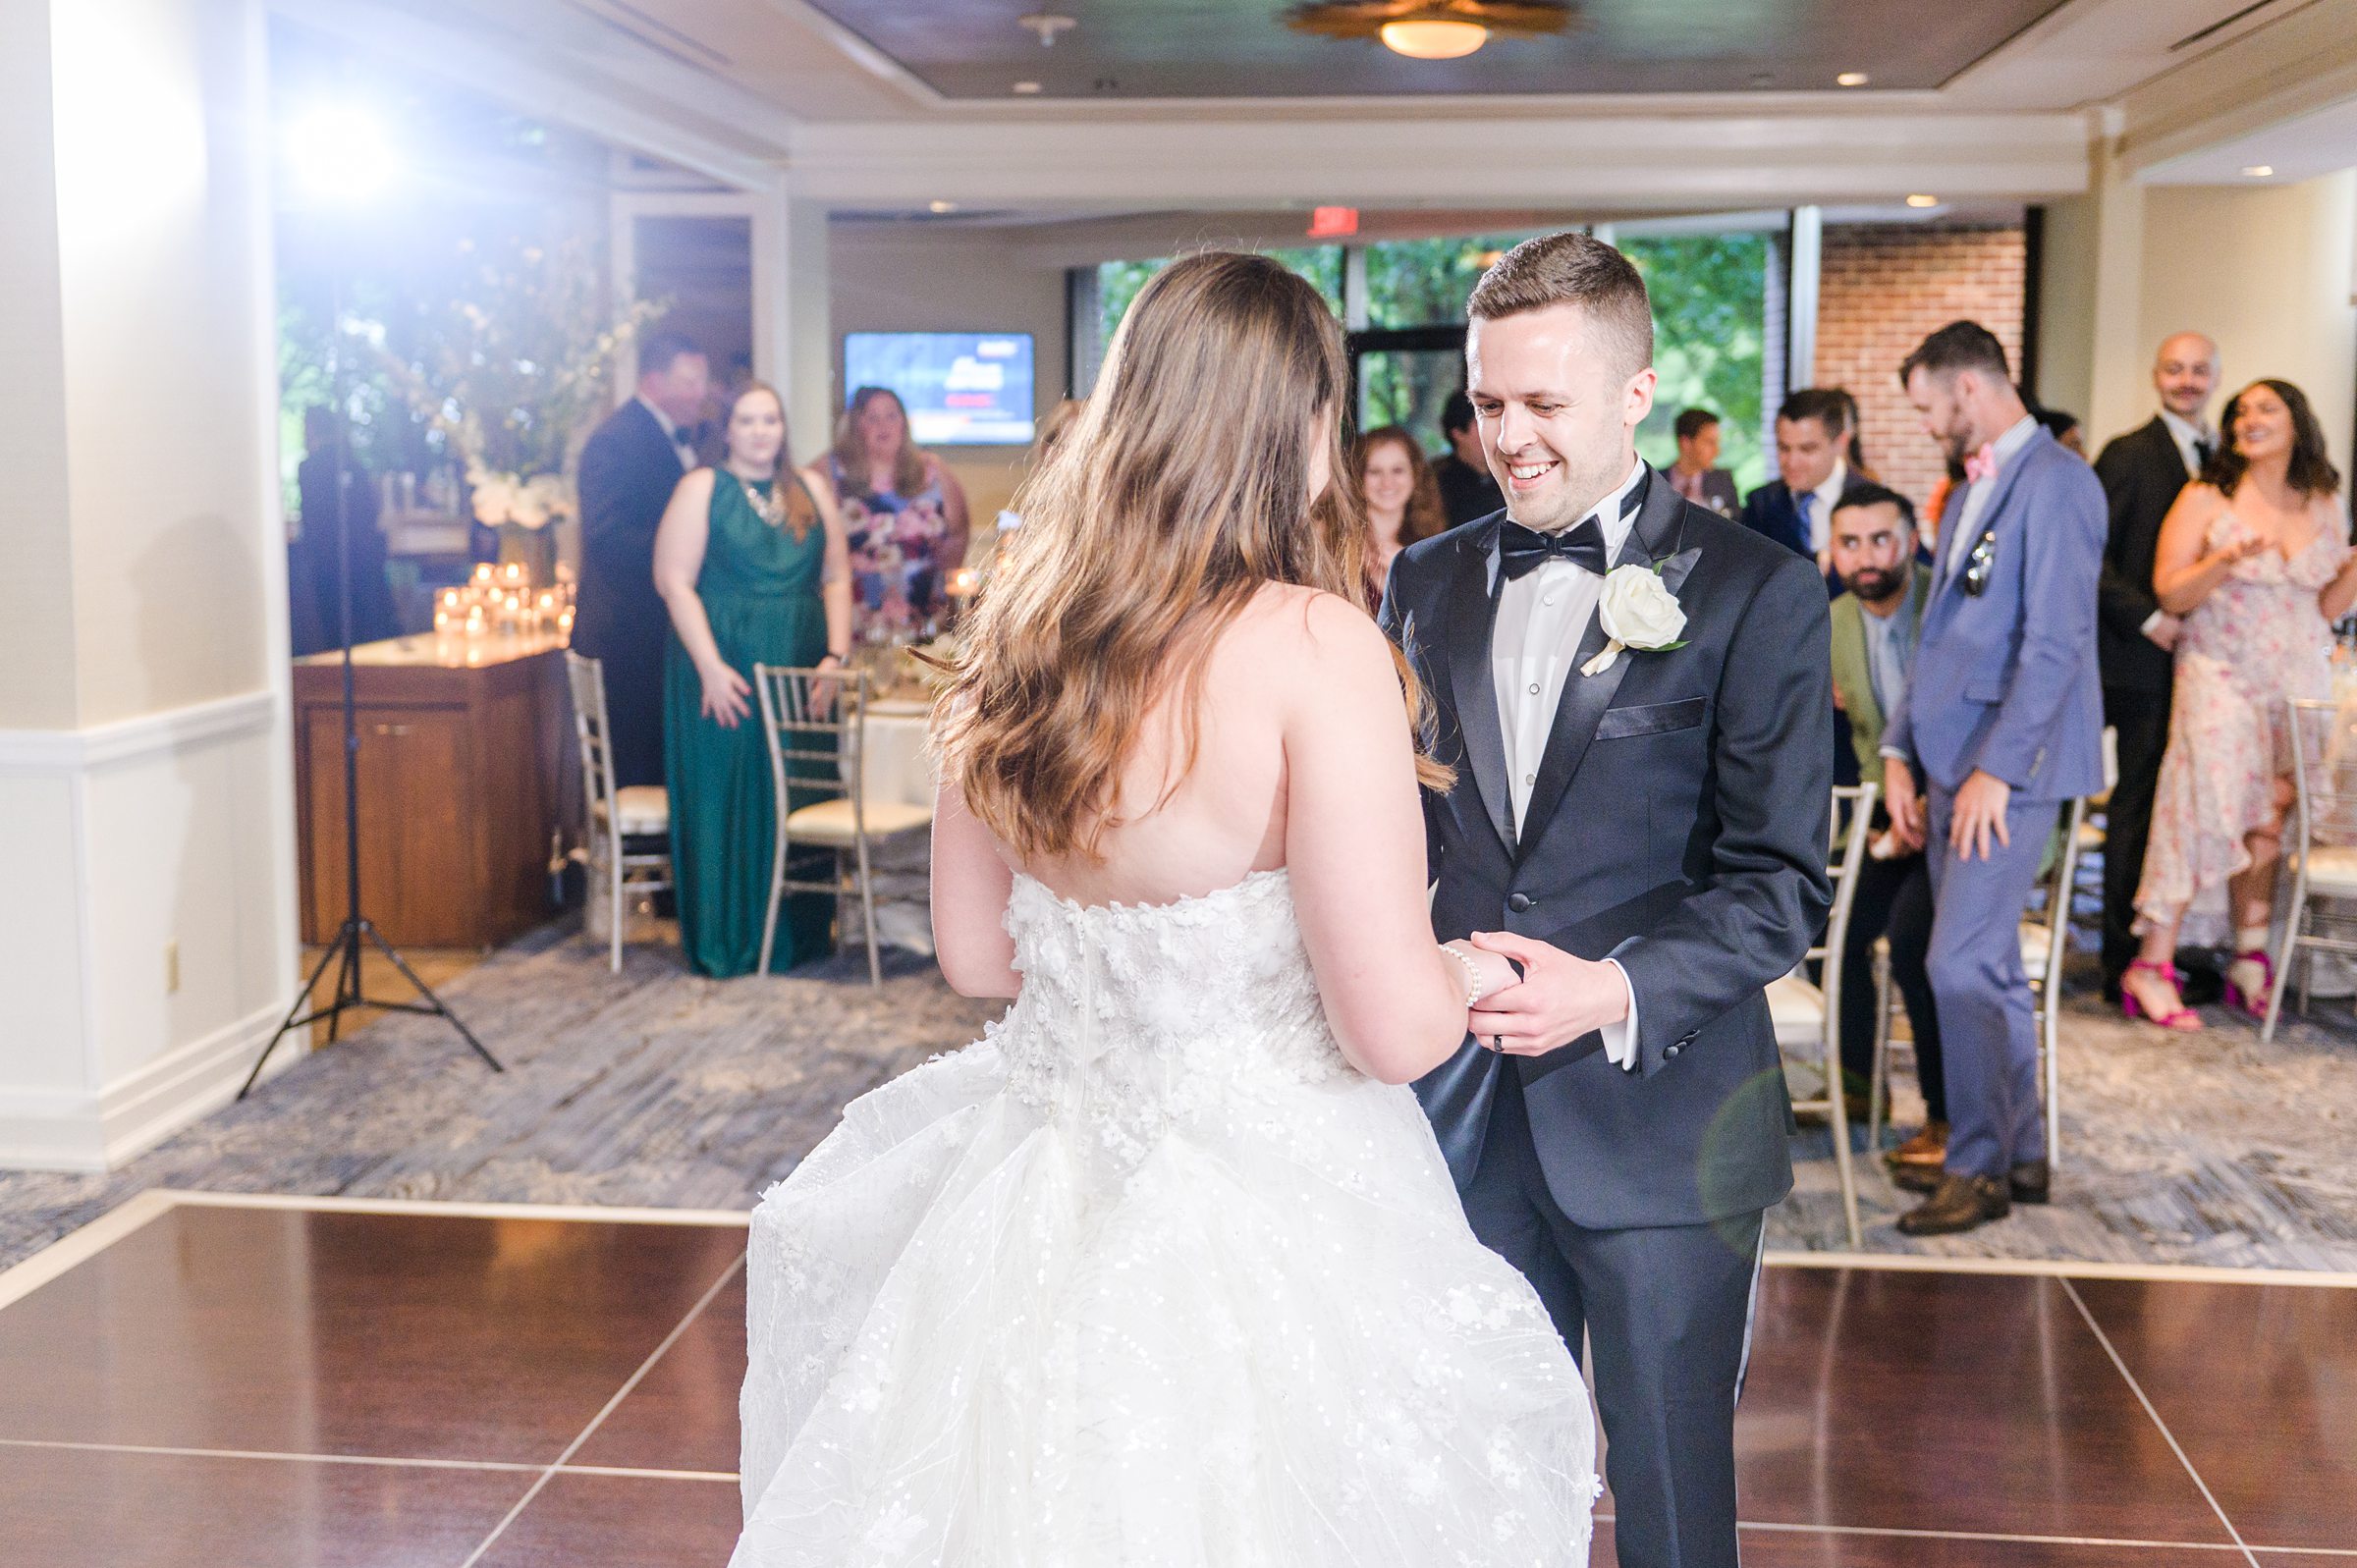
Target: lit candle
{"x":482,"y":571}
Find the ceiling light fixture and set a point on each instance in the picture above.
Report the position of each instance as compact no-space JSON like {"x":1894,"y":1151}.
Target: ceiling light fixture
{"x":942,"y":207}
{"x":1433,"y":30}
{"x":1026,"y":88}
{"x":1440,"y":40}
{"x":1047,"y":24}
{"x":1851,"y":78}
{"x":1920,"y":201}
{"x":2259,"y":171}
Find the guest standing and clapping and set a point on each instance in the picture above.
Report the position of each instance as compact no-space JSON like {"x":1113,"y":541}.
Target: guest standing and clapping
{"x":753,"y":565}
{"x":1402,"y":500}
{"x":905,"y":513}
{"x":2143,"y":473}
{"x":629,"y":470}
{"x":2255,"y":558}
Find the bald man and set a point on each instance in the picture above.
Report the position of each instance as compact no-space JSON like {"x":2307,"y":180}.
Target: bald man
{"x":2142,"y":472}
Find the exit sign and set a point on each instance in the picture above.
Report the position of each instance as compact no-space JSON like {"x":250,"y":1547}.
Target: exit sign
{"x":1333,"y":223}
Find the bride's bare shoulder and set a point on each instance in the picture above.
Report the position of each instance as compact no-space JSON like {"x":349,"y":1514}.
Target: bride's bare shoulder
{"x":1293,"y":631}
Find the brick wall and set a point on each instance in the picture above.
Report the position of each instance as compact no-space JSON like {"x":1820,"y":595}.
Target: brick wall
{"x":1884,"y":286}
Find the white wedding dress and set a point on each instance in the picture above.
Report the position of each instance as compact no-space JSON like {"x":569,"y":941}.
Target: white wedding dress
{"x":1149,"y":1276}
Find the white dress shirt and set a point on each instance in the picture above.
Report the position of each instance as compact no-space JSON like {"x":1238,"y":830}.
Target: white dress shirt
{"x":1542,"y":616}
{"x":2184,"y":432}
{"x":1820,"y":510}
{"x":681,"y":447}
{"x":1976,"y":496}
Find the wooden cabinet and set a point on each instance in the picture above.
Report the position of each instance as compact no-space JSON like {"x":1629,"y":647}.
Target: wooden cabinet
{"x":466,"y":777}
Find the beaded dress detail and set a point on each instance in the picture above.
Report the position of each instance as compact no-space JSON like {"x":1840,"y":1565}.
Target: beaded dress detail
{"x":1149,"y":1277}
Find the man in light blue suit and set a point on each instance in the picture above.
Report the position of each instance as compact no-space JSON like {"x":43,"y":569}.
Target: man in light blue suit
{"x":2001,"y":722}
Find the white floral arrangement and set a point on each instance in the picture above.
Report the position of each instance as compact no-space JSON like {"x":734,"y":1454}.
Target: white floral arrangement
{"x":505,"y":498}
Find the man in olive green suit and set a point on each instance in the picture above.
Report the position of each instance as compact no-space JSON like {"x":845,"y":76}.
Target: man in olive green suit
{"x":1876,"y":627}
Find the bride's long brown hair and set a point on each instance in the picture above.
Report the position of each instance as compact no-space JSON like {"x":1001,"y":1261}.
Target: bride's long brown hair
{"x":1175,"y":496}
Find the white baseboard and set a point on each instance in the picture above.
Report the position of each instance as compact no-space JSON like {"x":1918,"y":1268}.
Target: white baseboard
{"x":57,"y":1130}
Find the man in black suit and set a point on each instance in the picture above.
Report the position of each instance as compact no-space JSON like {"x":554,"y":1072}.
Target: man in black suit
{"x":1638,"y":822}
{"x":1466,"y":489}
{"x":2142,"y":472}
{"x":1796,"y":507}
{"x":630,"y":467}
{"x":1696,"y":474}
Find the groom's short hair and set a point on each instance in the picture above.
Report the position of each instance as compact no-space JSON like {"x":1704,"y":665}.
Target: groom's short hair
{"x":1577,"y":269}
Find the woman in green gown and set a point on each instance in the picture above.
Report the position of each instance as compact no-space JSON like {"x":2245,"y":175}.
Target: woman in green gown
{"x":755,"y":567}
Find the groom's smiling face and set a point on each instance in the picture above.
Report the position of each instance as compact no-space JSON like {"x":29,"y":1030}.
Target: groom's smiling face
{"x":1557,"y":402}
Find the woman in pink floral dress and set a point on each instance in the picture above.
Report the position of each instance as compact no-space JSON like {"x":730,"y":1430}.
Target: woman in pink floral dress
{"x":2256,"y":559}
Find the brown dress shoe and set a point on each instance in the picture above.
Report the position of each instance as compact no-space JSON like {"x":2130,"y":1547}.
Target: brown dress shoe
{"x":2027,"y":1182}
{"x":1927,"y":1148}
{"x":1958,"y":1203}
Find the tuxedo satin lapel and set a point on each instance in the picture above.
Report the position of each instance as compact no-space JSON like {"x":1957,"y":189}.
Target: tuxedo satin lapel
{"x":1472,"y":616}
{"x":1654,"y":536}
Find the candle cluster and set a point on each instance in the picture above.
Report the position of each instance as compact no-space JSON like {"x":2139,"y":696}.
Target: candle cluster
{"x":501,"y":602}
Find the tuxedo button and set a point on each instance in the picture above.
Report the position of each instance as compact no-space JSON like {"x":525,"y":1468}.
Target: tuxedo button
{"x":1518,"y":902}
{"x":1672,"y":1050}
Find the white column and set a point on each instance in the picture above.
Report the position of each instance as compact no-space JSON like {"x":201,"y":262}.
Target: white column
{"x":803,"y":343}
{"x":146,"y":824}
{"x":1800,"y":325}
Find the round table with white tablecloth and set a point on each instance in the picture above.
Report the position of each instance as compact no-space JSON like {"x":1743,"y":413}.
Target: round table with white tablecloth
{"x":899,"y":769}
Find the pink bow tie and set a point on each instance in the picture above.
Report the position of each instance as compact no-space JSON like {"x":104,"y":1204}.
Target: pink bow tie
{"x":1981,"y":465}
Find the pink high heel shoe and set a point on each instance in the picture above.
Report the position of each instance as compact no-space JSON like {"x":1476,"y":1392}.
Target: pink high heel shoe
{"x":2184,"y":1020}
{"x":2252,"y":1003}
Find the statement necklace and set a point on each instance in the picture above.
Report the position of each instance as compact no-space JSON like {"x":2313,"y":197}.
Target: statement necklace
{"x":770,"y":508}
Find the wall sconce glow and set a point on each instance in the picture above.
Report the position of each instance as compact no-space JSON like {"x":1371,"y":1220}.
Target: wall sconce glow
{"x":1921,"y":201}
{"x":1851,"y":78}
{"x":1434,"y":40}
{"x":338,"y":153}
{"x":2259,"y":171}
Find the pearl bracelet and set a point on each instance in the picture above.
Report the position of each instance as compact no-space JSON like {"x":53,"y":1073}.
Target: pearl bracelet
{"x":1472,"y":975}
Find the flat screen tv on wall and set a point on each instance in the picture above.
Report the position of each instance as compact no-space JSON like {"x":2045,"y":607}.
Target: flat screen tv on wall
{"x":961,"y":389}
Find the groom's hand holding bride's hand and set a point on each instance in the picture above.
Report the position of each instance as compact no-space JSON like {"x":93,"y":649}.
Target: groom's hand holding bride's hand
{"x":1562,"y":997}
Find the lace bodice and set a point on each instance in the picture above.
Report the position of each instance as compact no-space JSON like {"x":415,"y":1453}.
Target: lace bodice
{"x":1136,"y":1017}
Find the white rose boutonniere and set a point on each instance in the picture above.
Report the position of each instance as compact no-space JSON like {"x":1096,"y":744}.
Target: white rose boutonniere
{"x":1638,"y":611}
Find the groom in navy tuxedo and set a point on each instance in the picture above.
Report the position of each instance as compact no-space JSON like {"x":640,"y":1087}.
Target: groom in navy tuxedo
{"x":1635,"y":696}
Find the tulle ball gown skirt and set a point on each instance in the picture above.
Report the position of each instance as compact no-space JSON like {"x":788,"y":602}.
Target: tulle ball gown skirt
{"x":1148,"y":1276}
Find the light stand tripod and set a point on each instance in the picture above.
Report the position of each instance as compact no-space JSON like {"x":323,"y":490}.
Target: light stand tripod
{"x":344,"y":949}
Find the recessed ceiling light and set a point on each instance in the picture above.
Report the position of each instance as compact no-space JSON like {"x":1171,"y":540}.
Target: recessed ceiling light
{"x":1921,"y":201}
{"x":2259,"y":171}
{"x":1026,"y":88}
{"x":1851,"y":78}
{"x":942,"y":207}
{"x":1436,"y":39}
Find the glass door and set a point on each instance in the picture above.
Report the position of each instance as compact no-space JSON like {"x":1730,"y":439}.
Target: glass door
{"x":1403,"y":375}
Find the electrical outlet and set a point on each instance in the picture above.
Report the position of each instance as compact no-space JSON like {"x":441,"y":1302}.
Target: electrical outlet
{"x":171,"y":966}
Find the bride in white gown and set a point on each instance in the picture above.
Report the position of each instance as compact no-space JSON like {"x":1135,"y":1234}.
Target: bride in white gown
{"x":1166,"y":1270}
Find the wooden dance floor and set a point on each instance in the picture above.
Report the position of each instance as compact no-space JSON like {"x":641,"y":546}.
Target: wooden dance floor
{"x":210,"y":1380}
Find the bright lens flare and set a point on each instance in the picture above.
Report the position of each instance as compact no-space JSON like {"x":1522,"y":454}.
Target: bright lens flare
{"x":338,"y":153}
{"x":1434,"y":40}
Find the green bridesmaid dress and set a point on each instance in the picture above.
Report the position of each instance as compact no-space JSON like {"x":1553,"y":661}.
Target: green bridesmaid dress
{"x":760,"y":588}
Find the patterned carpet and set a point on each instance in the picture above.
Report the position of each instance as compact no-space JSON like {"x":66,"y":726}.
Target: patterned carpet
{"x":659,"y":1089}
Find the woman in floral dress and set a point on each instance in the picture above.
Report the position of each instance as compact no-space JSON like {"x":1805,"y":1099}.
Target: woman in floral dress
{"x":906,"y":516}
{"x":2256,"y":559}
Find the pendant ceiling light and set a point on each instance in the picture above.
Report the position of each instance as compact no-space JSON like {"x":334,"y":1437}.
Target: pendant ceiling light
{"x":1432,"y":29}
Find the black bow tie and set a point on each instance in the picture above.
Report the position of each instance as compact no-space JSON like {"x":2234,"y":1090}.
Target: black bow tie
{"x":1521,"y":550}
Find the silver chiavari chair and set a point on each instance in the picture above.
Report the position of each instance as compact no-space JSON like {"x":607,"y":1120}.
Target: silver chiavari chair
{"x":2324,"y":872}
{"x":1808,"y":1017}
{"x":811,"y":719}
{"x":616,"y":815}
